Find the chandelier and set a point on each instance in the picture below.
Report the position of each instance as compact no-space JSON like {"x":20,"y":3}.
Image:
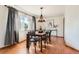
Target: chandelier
{"x":41,"y":16}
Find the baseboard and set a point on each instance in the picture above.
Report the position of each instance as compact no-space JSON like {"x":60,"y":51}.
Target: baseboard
{"x":7,"y":46}
{"x":12,"y":45}
{"x":57,"y":36}
{"x":70,"y":46}
{"x":22,"y":41}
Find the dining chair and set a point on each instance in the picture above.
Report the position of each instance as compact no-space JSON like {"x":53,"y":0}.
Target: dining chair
{"x":45,"y":38}
{"x":49,"y":35}
{"x":32,"y":38}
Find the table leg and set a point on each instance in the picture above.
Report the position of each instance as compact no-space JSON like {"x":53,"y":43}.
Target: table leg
{"x":41,"y":43}
{"x":49,"y":38}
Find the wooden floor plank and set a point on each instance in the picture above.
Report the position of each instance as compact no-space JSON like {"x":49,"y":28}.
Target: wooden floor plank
{"x":56,"y":47}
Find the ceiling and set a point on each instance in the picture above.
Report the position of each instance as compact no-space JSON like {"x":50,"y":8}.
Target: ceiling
{"x":48,"y":10}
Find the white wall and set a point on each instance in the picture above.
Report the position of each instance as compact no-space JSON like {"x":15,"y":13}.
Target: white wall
{"x":58,"y":20}
{"x":72,"y":26}
{"x":3,"y":22}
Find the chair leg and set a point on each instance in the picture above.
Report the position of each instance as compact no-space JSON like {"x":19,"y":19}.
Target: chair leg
{"x":27,"y":50}
{"x":49,"y":39}
{"x":27,"y":46}
{"x":35,"y":46}
{"x":45,"y":43}
{"x":39,"y":43}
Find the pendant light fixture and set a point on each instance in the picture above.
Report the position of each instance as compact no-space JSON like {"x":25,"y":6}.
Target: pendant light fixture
{"x":41,"y":16}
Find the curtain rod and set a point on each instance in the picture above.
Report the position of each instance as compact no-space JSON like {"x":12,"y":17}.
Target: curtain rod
{"x":17,"y":10}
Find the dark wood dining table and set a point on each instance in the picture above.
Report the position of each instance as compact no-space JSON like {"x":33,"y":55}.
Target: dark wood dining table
{"x":40,"y":35}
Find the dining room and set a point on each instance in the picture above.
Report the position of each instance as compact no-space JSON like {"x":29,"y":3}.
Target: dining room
{"x":37,"y":29}
{"x":43,"y":27}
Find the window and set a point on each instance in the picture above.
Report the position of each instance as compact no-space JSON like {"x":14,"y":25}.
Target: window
{"x":26,"y":22}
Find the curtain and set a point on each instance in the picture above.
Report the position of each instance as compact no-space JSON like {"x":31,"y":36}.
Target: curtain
{"x":34,"y":20}
{"x":10,"y":36}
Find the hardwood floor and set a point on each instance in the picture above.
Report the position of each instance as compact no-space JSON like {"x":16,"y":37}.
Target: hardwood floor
{"x":56,"y":47}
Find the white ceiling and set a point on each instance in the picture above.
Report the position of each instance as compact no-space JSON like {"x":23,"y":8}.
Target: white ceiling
{"x":48,"y":11}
